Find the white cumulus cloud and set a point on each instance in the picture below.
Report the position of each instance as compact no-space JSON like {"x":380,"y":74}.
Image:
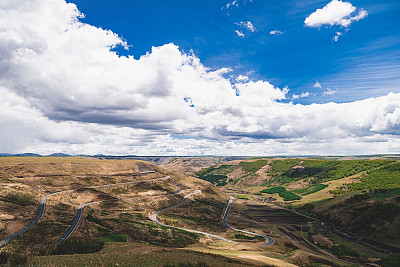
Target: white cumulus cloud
{"x":239,"y":33}
{"x":248,"y":25}
{"x":329,"y":91}
{"x":336,"y":38}
{"x":335,"y":12}
{"x":302,"y":95}
{"x":275,"y":32}
{"x":317,"y":85}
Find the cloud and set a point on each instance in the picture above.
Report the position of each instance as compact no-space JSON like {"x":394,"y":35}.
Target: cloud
{"x":336,"y":38}
{"x":317,"y":85}
{"x":329,"y":91}
{"x":239,"y":33}
{"x":275,"y":32}
{"x":335,"y":12}
{"x":63,"y":89}
{"x":235,"y":3}
{"x":248,"y":25}
{"x":231,"y":4}
{"x":302,"y":95}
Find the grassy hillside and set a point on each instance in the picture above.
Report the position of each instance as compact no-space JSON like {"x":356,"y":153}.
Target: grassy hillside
{"x":359,"y":196}
{"x":24,"y":181}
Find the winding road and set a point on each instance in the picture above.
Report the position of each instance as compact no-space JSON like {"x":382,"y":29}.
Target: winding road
{"x":269,"y":240}
{"x":75,"y":222}
{"x":78,"y":215}
{"x":42,"y":206}
{"x":154,"y":219}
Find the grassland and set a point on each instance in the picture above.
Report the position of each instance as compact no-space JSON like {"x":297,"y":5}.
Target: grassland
{"x":136,"y":255}
{"x":120,"y":232}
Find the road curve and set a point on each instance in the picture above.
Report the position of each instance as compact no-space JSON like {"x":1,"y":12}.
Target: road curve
{"x":42,"y":206}
{"x":39,"y":215}
{"x":154,"y":219}
{"x":78,"y":215}
{"x":75,"y":222}
{"x":269,"y":240}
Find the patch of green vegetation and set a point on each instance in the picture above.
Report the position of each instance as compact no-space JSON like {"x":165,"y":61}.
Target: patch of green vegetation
{"x":391,"y":261}
{"x":280,"y":166}
{"x":309,"y":168}
{"x":8,"y":180}
{"x":19,"y":198}
{"x":119,"y":191}
{"x":289,"y":196}
{"x":244,"y":197}
{"x":114,"y":238}
{"x":224,"y":169}
{"x":218,"y":180}
{"x":384,"y":194}
{"x":273,"y":190}
{"x":342,"y":250}
{"x":160,"y":257}
{"x":154,"y":234}
{"x":241,"y":236}
{"x":317,"y":171}
{"x":310,"y":189}
{"x":78,"y":245}
{"x":213,"y":175}
{"x":374,"y":214}
{"x":204,"y":171}
{"x":41,"y":233}
{"x":386,"y":177}
{"x":346,"y":168}
{"x":253,"y":166}
{"x":14,"y":259}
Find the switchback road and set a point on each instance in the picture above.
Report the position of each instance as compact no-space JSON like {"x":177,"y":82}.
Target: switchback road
{"x":154,"y":218}
{"x":75,"y":222}
{"x":42,"y":206}
{"x":269,"y":240}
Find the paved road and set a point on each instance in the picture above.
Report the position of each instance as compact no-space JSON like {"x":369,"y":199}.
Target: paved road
{"x":78,"y":215}
{"x":39,"y":215}
{"x":269,"y":240}
{"x":42,"y":206}
{"x":154,"y":218}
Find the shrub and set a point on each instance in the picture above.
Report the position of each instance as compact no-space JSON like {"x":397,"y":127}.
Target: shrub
{"x":114,"y":238}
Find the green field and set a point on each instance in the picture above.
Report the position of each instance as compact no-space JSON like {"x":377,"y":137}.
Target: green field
{"x":253,"y":166}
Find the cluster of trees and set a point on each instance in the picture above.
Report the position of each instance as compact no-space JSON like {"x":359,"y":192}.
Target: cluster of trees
{"x":289,"y":196}
{"x":273,"y":190}
{"x":346,"y":168}
{"x":208,"y":175}
{"x":253,"y":166}
{"x":280,"y":166}
{"x":286,"y":195}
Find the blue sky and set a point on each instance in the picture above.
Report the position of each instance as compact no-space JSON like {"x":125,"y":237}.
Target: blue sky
{"x":364,"y":62}
{"x":238,"y":77}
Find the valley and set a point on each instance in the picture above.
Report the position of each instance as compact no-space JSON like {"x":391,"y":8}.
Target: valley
{"x":199,"y":212}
